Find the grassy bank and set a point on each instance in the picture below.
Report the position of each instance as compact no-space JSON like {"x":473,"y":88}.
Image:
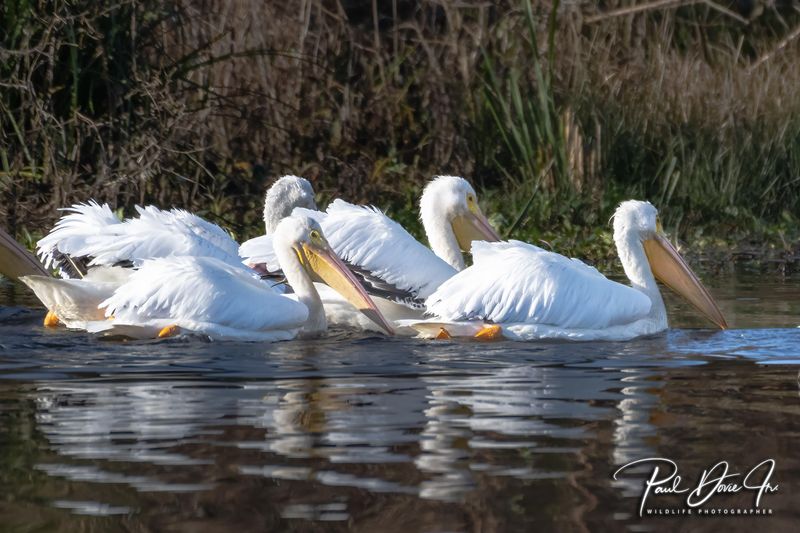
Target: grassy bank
{"x":555,"y":112}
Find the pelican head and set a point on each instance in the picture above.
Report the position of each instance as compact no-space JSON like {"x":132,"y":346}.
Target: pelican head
{"x":452,"y":218}
{"x":283,"y":196}
{"x":305,"y":256}
{"x":637,"y":228}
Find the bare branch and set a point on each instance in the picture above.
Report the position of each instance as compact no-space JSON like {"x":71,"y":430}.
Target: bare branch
{"x":780,"y":46}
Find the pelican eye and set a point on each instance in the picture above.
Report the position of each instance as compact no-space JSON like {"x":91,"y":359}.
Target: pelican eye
{"x":316,"y":237}
{"x":472,"y":205}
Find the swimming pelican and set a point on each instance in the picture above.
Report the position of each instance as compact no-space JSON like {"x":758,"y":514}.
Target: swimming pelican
{"x":398,"y":271}
{"x":521,"y":292}
{"x":208,"y":296}
{"x":88,"y":243}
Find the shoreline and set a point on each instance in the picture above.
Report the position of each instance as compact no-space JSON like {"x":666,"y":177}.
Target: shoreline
{"x":766,"y":251}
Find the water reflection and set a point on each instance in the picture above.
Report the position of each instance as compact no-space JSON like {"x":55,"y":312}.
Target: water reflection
{"x":385,"y":434}
{"x":437,"y":436}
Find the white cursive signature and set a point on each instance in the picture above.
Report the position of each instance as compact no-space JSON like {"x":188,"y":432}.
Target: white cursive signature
{"x":715,"y":480}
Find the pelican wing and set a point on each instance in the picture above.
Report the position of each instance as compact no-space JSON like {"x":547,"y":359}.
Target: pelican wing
{"x":71,"y":233}
{"x":259,"y":251}
{"x":376,"y":287}
{"x":382,"y":252}
{"x":514,"y":282}
{"x":201,"y":294}
{"x":200,"y":237}
{"x":92,"y":231}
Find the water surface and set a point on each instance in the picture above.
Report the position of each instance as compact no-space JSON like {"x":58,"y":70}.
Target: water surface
{"x":374,"y":434}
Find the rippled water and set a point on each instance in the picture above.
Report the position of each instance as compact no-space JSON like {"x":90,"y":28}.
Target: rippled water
{"x":376,"y":434}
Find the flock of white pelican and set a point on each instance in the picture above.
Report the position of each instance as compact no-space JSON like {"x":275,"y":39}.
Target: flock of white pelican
{"x":169,"y":272}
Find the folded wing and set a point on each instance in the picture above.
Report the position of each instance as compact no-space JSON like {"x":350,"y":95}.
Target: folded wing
{"x":202,"y":290}
{"x":514,"y":282}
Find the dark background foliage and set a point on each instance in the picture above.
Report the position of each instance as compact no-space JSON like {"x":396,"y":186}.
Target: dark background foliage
{"x":555,"y":110}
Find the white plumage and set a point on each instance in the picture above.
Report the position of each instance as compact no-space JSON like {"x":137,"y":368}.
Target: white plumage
{"x":259,"y":251}
{"x":76,"y":301}
{"x":399,"y":271}
{"x":209,"y":296}
{"x":378,"y":247}
{"x":283,"y":196}
{"x":513,"y":282}
{"x":449,"y":211}
{"x":84,"y":221}
{"x":92,"y":230}
{"x":91,"y":235}
{"x":534,"y":294}
{"x":385,"y":252}
{"x":203,"y":295}
{"x":365,"y":237}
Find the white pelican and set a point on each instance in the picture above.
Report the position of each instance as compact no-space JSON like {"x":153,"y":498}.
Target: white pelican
{"x":90,"y":240}
{"x":521,"y":292}
{"x":208,"y":296}
{"x":398,"y":271}
{"x":452,"y":219}
{"x":282,"y":198}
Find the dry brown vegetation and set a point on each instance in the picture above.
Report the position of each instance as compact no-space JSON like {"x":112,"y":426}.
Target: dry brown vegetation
{"x":200,"y":103}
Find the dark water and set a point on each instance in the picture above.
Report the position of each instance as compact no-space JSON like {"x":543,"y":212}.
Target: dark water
{"x":374,"y":434}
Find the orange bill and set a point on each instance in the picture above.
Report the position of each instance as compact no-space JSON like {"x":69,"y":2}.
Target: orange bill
{"x":329,"y":269}
{"x":16,"y":261}
{"x":670,"y":269}
{"x":473,"y":227}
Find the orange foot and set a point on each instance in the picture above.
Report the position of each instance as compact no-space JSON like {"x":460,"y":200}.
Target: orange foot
{"x":169,"y":331}
{"x":443,"y":335}
{"x":51,"y":320}
{"x":491,"y":332}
